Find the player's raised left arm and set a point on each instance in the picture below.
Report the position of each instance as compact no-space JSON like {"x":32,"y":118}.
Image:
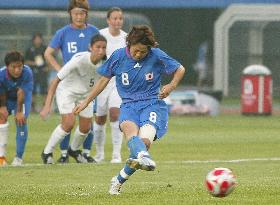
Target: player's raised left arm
{"x":177,"y":77}
{"x":98,"y":88}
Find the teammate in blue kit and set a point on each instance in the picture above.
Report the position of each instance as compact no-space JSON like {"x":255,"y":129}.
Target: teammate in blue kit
{"x":16,"y":84}
{"x":143,"y":115}
{"x":72,"y":39}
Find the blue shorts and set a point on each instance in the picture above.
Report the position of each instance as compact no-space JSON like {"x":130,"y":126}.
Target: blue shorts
{"x":154,"y":112}
{"x":12,"y":105}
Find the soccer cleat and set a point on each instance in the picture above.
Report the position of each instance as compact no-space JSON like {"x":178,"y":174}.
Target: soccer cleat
{"x":116,"y":159}
{"x":3,"y":162}
{"x":143,"y":163}
{"x":77,"y":155}
{"x":99,"y":158}
{"x":47,"y":158}
{"x":89,"y":158}
{"x":115,"y":187}
{"x":17,"y":162}
{"x":63,"y":159}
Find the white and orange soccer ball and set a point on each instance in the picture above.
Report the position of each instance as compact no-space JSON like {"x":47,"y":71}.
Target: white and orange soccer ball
{"x":220,"y":182}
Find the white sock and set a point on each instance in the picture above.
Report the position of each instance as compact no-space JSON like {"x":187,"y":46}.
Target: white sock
{"x":86,"y":152}
{"x":57,"y":135}
{"x":3,"y":138}
{"x":78,"y":139}
{"x":117,"y":138}
{"x":99,"y":138}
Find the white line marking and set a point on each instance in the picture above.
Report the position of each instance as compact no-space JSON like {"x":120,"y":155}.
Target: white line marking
{"x":223,"y":161}
{"x":162,"y":162}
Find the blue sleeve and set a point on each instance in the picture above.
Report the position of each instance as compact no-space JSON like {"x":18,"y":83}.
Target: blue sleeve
{"x":27,"y":83}
{"x":169,"y":63}
{"x":108,"y":68}
{"x":2,"y":76}
{"x":2,"y":89}
{"x":56,"y":41}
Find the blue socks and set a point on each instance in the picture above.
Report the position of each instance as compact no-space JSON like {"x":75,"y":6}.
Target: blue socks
{"x":125,"y":173}
{"x":88,"y":141}
{"x":21,"y":138}
{"x":64,"y":144}
{"x":136,"y":146}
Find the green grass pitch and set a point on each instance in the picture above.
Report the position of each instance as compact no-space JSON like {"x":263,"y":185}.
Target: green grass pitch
{"x":250,"y":146}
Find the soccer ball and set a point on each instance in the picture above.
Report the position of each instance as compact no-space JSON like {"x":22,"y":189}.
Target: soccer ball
{"x":220,"y":182}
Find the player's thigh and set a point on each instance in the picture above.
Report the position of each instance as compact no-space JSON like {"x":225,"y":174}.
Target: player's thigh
{"x":114,"y":104}
{"x":114,"y":100}
{"x":129,"y":129}
{"x":156,"y":114}
{"x":102,"y":103}
{"x":26,"y":107}
{"x":88,"y":111}
{"x":65,"y":101}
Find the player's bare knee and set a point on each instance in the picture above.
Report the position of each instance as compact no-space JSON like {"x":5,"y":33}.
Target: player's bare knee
{"x":3,"y":118}
{"x":147,"y":133}
{"x":114,"y":114}
{"x":100,"y":120}
{"x":84,"y":128}
{"x":67,"y":126}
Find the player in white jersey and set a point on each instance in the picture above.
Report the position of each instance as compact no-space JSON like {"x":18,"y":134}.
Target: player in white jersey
{"x":109,"y":98}
{"x":72,"y":84}
{"x":71,"y":39}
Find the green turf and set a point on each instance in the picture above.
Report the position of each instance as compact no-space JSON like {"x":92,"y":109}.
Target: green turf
{"x":175,"y":181}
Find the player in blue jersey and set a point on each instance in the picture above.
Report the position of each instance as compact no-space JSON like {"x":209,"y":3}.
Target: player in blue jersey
{"x":72,"y":39}
{"x":16,"y":84}
{"x":143,"y":115}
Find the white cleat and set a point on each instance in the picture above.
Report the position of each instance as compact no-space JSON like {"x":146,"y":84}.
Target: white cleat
{"x":116,"y":159}
{"x":99,"y":158}
{"x":17,"y":162}
{"x":143,"y":163}
{"x":115,"y":187}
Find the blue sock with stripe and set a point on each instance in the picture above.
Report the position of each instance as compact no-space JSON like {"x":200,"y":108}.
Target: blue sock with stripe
{"x":21,"y":138}
{"x":88,"y":141}
{"x":136,"y":147}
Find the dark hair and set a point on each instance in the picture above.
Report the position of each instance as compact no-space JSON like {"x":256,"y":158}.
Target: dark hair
{"x":83,"y":4}
{"x":37,"y":35}
{"x":97,"y":37}
{"x":111,"y":10}
{"x":13,"y":56}
{"x":141,"y":34}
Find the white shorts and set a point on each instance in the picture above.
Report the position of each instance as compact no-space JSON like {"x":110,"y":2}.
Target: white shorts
{"x":107,"y":99}
{"x":66,"y":101}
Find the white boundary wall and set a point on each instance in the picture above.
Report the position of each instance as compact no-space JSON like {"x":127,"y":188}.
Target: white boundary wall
{"x":233,"y":14}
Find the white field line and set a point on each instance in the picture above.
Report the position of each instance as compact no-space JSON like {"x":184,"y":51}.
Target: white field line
{"x":222,"y":161}
{"x":166,"y":162}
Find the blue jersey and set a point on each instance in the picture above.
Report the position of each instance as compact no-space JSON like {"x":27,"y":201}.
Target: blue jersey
{"x":138,"y":80}
{"x":72,"y":40}
{"x":10,"y":85}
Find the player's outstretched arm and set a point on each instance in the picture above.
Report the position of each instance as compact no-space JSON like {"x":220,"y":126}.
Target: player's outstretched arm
{"x":48,"y":103}
{"x":49,"y":56}
{"x":3,"y":108}
{"x":19,"y":116}
{"x":167,"y":89}
{"x":98,"y":88}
